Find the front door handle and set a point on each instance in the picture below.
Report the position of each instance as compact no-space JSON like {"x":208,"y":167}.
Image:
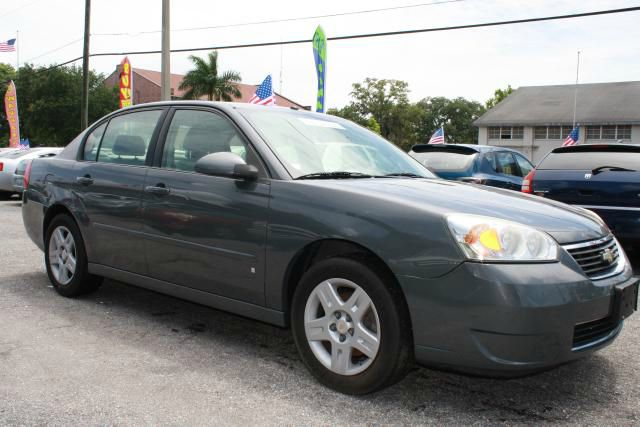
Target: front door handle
{"x":158,"y":190}
{"x":84,"y":180}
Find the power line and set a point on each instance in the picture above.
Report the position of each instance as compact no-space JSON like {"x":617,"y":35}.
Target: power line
{"x":274,"y":21}
{"x":366,"y":35}
{"x":54,"y":50}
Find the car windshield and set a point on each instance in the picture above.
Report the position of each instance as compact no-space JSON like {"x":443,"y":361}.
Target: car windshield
{"x":443,"y":161}
{"x":316,"y":144}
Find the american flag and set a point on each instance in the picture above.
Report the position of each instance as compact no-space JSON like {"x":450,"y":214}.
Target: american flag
{"x":264,"y":94}
{"x":437,"y":137}
{"x":24,"y":144}
{"x":8,"y":46}
{"x":572,"y":138}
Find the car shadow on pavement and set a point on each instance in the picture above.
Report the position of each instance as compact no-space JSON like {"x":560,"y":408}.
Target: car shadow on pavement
{"x":141,"y":318}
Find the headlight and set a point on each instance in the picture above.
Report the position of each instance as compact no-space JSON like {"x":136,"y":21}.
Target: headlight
{"x":484,"y":238}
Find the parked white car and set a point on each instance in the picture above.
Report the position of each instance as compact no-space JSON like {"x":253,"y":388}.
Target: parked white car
{"x":9,"y":161}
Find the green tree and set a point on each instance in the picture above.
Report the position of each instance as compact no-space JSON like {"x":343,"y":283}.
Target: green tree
{"x":456,"y":115}
{"x":350,"y":113}
{"x":204,"y":80}
{"x":498,"y":96}
{"x":49,"y":103}
{"x":387,"y":103}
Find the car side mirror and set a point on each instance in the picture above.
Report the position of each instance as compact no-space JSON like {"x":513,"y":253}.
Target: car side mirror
{"x":228,"y":165}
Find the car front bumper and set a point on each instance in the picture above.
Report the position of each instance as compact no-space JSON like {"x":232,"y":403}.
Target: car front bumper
{"x":512,"y":319}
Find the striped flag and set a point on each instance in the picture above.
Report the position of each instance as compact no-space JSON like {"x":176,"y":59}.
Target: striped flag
{"x":8,"y":46}
{"x":572,"y":138}
{"x":437,"y":137}
{"x":264,"y":94}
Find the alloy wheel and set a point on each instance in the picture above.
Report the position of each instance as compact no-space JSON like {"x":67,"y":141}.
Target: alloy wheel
{"x":342,"y":326}
{"x":62,"y":255}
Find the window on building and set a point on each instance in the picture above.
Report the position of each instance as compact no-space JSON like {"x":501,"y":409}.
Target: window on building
{"x":608,"y":132}
{"x":611,"y":132}
{"x":540,"y":132}
{"x":553,"y":132}
{"x":506,"y":132}
{"x":494,"y":133}
{"x":517,"y":132}
{"x":593,"y":132}
{"x":624,"y":132}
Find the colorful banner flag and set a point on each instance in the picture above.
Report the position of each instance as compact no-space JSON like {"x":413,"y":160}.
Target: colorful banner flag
{"x":11,"y":111}
{"x":126,"y":83}
{"x":320,"y":56}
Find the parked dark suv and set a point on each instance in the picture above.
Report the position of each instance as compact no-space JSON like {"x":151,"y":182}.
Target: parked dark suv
{"x":479,"y":164}
{"x":310,"y":221}
{"x":604,"y":178}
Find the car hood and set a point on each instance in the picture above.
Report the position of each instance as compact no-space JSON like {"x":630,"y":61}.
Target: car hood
{"x":565,"y":223}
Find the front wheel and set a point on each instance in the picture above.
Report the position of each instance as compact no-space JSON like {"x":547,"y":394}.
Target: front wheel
{"x":350,"y":326}
{"x":66,"y":259}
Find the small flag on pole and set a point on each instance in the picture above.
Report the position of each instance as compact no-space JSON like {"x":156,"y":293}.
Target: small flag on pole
{"x":437,"y":137}
{"x":264,"y":94}
{"x":572,"y":138}
{"x":8,"y":46}
{"x":25,"y":144}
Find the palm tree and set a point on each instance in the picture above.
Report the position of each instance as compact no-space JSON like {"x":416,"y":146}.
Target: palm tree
{"x":204,"y":80}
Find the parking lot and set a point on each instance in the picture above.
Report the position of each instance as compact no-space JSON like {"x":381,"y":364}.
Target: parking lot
{"x":129,"y":356}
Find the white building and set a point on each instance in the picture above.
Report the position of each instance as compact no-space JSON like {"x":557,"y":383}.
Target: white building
{"x":537,"y":119}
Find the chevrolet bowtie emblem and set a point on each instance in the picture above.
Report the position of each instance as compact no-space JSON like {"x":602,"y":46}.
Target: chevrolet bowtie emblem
{"x":607,"y":256}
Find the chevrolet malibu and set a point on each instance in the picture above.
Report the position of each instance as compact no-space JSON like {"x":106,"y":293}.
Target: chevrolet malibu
{"x":308,"y":221}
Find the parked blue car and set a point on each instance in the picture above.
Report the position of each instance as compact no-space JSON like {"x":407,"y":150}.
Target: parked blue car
{"x":604,"y":178}
{"x":480,"y":164}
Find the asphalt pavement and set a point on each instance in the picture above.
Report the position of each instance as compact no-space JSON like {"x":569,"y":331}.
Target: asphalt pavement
{"x":129,"y":356}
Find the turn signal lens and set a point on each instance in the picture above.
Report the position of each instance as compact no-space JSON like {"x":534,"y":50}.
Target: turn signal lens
{"x":491,"y":239}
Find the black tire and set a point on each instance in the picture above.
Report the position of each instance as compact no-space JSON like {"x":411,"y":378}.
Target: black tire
{"x":81,"y":282}
{"x":395,"y":354}
{"x":5,"y":195}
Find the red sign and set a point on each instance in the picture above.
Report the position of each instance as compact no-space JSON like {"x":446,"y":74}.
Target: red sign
{"x":125,"y":83}
{"x":11,"y":110}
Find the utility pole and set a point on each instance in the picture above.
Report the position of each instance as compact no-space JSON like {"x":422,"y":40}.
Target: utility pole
{"x":84,"y":115}
{"x":165,"y":84}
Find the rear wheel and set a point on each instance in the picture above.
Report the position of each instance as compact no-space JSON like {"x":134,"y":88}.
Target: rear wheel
{"x":66,"y":259}
{"x":350,"y":328}
{"x":5,"y":195}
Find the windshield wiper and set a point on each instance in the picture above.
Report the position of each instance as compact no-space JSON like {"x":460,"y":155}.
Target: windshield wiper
{"x":611,"y":169}
{"x":334,"y":175}
{"x":407,"y":174}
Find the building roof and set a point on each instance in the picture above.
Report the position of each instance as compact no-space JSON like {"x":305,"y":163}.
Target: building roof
{"x":597,"y":103}
{"x":246,"y":90}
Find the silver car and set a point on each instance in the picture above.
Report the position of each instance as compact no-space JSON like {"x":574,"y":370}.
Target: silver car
{"x":9,"y":161}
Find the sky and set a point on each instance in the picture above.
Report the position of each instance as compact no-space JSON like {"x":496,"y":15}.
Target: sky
{"x":470,"y":63}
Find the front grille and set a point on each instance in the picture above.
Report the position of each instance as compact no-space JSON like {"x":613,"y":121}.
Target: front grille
{"x":598,"y":258}
{"x":590,"y":332}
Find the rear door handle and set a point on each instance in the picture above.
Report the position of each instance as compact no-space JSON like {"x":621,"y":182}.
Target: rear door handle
{"x":158,"y":190}
{"x":84,"y":180}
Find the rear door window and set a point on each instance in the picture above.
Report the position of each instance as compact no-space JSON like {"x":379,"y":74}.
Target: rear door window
{"x":506,"y":163}
{"x":127,"y":138}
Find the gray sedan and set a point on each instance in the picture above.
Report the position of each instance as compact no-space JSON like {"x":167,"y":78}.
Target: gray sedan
{"x":9,"y":161}
{"x":311,"y":222}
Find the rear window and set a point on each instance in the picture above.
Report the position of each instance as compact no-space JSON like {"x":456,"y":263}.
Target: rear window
{"x":590,"y":160}
{"x":443,"y":161}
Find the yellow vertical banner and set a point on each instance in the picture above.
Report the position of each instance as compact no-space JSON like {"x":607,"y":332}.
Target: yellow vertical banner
{"x":125,"y":83}
{"x":11,"y":111}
